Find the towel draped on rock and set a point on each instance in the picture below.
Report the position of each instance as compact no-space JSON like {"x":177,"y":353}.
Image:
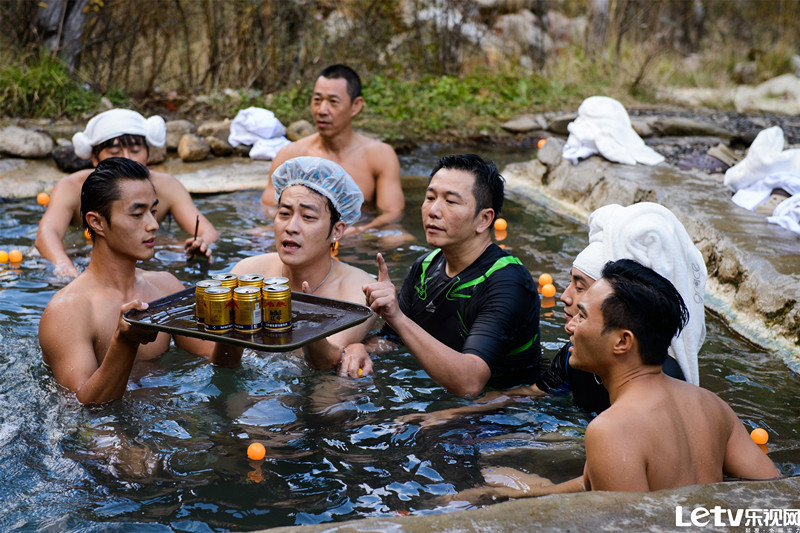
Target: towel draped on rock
{"x":767,"y":167}
{"x":652,"y":235}
{"x":259,"y":128}
{"x":604,"y":127}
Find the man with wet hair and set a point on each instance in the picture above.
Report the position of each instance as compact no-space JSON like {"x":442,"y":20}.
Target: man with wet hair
{"x":468,"y":311}
{"x":660,"y":432}
{"x":118,"y":133}
{"x":372,"y":164}
{"x":317,"y":201}
{"x":88,"y":346}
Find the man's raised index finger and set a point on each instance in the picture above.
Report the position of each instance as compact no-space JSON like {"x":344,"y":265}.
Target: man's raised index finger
{"x":383,"y":272}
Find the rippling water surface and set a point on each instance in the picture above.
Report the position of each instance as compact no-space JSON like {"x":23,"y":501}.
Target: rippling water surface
{"x":171,"y":455}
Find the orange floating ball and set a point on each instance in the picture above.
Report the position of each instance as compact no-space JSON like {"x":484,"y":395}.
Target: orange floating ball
{"x":87,"y":234}
{"x":360,"y":372}
{"x":256,"y":451}
{"x":43,"y":198}
{"x":541,"y":143}
{"x":3,"y":256}
{"x":759,"y":436}
{"x":500,"y":235}
{"x":548,"y":290}
{"x":15,"y":256}
{"x":500,"y":224}
{"x":545,"y":279}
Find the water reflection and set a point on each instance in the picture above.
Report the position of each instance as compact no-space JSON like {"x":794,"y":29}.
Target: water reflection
{"x":173,"y":451}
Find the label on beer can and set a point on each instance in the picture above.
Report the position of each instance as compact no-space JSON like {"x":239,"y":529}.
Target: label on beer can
{"x":247,"y":309}
{"x":277,"y":307}
{"x":199,"y":298}
{"x":218,"y":309}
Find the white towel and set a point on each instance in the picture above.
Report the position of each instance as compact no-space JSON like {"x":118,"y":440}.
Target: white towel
{"x":603,"y":126}
{"x":765,"y":157}
{"x":787,"y":214}
{"x":259,"y":128}
{"x":652,"y":235}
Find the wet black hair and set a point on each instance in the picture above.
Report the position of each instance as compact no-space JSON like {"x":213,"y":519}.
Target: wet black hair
{"x":127,"y":140}
{"x":101,"y":187}
{"x":339,"y":71}
{"x":645,"y":303}
{"x":489,"y":184}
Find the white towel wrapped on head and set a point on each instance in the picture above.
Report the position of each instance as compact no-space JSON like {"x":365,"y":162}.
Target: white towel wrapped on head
{"x":652,"y":235}
{"x":603,"y":126}
{"x":259,"y":128}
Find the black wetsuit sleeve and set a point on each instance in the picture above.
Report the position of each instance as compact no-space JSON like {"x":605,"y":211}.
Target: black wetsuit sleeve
{"x":555,"y":380}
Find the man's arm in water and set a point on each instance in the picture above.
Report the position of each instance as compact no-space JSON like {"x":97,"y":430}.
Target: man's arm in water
{"x":173,"y":194}
{"x":389,"y":198}
{"x":64,"y":202}
{"x":65,"y":334}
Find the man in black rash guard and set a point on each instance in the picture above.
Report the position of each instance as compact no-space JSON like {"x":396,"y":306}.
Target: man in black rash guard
{"x":468,"y":311}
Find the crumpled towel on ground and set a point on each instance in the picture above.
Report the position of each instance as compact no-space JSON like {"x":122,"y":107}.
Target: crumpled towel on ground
{"x":652,"y":235}
{"x":767,"y":167}
{"x":603,"y":126}
{"x":258,"y":127}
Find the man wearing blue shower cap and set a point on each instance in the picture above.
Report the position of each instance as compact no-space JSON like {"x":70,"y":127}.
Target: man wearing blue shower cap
{"x":317,"y":200}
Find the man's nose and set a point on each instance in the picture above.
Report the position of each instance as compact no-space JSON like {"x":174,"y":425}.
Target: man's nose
{"x":152,"y":223}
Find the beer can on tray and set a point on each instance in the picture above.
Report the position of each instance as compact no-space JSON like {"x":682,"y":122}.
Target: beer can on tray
{"x":276,"y":280}
{"x":277,"y":305}
{"x":251,"y":280}
{"x":247,"y":309}
{"x":199,"y":298}
{"x":218,"y":309}
{"x":227,"y":280}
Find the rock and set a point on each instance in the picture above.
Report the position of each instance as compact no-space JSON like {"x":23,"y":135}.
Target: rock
{"x":689,"y":127}
{"x":156,"y":154}
{"x":218,"y":146}
{"x":643,"y":126}
{"x":564,"y":29}
{"x":221,"y":129}
{"x":20,"y":142}
{"x":559,"y":123}
{"x":193,"y":148}
{"x":550,"y":153}
{"x":177,"y":129}
{"x":242,"y":149}
{"x":67,"y":161}
{"x":299,"y":129}
{"x":524,"y":124}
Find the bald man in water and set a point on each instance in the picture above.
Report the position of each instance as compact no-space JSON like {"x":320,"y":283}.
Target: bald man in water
{"x":660,"y":432}
{"x":372,"y":164}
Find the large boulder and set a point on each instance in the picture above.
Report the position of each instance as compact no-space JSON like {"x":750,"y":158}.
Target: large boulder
{"x":193,"y":148}
{"x":67,"y":161}
{"x":176,"y":129}
{"x":299,"y":129}
{"x":21,"y":142}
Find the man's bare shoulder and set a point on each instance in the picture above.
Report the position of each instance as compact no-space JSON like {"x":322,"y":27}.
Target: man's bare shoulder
{"x":264,"y":265}
{"x":73,"y":181}
{"x":375,"y":147}
{"x":352,"y":274}
{"x":156,"y":284}
{"x":305,"y":146}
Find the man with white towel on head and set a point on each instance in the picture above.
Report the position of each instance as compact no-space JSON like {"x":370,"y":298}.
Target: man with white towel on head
{"x":654,"y":237}
{"x":119,"y":133}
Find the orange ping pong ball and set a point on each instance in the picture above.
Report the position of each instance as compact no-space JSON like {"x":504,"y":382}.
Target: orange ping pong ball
{"x":500,"y":224}
{"x":759,"y":436}
{"x":256,"y":451}
{"x":545,"y":279}
{"x":548,"y":290}
{"x":87,"y":234}
{"x":43,"y":198}
{"x":541,"y":143}
{"x":15,"y":256}
{"x":3,"y":256}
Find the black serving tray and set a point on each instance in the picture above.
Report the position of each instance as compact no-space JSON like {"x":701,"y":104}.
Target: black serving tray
{"x":313,"y":318}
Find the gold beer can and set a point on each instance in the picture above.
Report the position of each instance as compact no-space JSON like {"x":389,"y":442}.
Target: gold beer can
{"x":199,"y":298}
{"x":276,"y":280}
{"x":277,"y":306}
{"x":251,"y":280}
{"x":218,"y":309}
{"x":227,"y":280}
{"x":247,"y":309}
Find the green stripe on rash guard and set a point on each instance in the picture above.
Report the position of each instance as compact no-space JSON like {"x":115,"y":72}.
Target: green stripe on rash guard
{"x":524,"y":347}
{"x":421,"y":289}
{"x":500,"y":263}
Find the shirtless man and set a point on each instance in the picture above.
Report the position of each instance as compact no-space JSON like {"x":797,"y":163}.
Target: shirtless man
{"x":660,"y":432}
{"x":89,"y":347}
{"x":317,"y":200}
{"x":372,"y":164}
{"x":118,"y":133}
